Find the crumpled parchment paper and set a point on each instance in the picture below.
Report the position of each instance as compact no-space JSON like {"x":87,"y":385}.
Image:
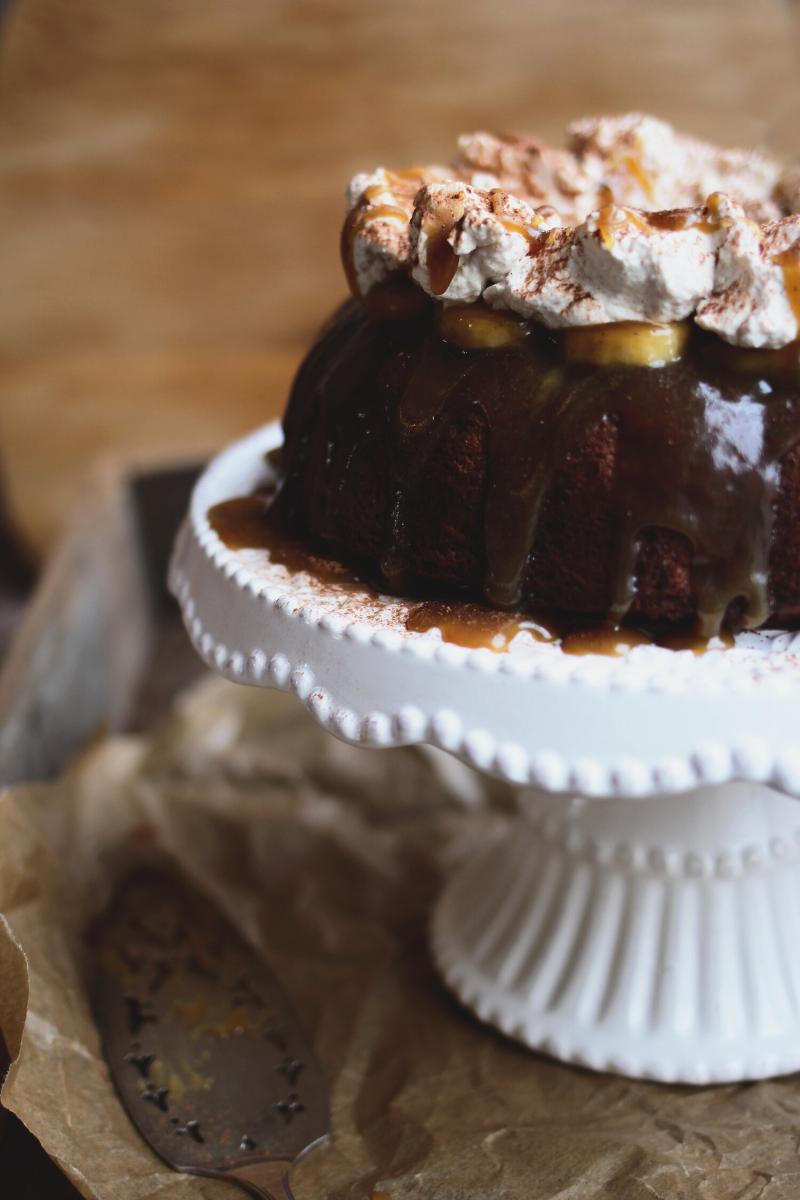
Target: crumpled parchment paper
{"x":329,"y":857}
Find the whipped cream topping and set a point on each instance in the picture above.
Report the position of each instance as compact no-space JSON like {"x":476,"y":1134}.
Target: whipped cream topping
{"x":612,"y":267}
{"x":751,"y":304}
{"x":632,"y":221}
{"x":634,"y":160}
{"x":486,"y":234}
{"x":376,"y":239}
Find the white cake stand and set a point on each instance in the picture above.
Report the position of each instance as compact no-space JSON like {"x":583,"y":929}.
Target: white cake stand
{"x":656,"y":939}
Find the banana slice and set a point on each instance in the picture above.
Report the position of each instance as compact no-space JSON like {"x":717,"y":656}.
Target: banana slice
{"x":476,"y":327}
{"x":785,"y":361}
{"x":626,"y":343}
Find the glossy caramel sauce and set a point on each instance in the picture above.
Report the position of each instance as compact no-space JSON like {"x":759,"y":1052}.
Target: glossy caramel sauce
{"x":610,"y":218}
{"x":477,"y":627}
{"x":495,"y":198}
{"x":789,"y":262}
{"x":473,"y":625}
{"x":698,"y":645}
{"x":605,"y":196}
{"x":418,"y":174}
{"x":680,"y":219}
{"x":603,"y":640}
{"x":706,"y":219}
{"x":247,"y":523}
{"x":634,"y":167}
{"x":442,"y":259}
{"x":241,"y":523}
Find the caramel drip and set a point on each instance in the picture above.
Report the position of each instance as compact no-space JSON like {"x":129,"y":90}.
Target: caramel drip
{"x":418,"y":174}
{"x":706,"y":219}
{"x":241,"y":523}
{"x":495,"y":198}
{"x":605,"y":224}
{"x":604,"y":640}
{"x":442,"y":259}
{"x":696,"y":644}
{"x":380,"y":212}
{"x":346,"y":243}
{"x":679,"y":219}
{"x":789,"y":262}
{"x":381,"y":413}
{"x":517,"y":227}
{"x":473,"y":625}
{"x":634,"y":167}
{"x":480,"y":628}
{"x":247,"y":523}
{"x":610,"y":218}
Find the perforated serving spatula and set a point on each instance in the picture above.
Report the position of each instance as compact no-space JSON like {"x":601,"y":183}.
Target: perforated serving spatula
{"x":202,"y":1045}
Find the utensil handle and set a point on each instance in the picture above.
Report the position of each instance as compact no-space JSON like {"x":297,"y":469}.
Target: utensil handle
{"x":264,"y":1180}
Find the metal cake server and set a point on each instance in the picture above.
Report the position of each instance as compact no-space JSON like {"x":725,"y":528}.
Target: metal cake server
{"x":202,"y":1045}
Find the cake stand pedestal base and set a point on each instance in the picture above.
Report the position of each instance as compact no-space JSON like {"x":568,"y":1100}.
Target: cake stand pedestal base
{"x":653,"y":938}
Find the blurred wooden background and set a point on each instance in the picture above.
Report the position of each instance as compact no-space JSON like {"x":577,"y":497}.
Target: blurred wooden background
{"x":171,"y":177}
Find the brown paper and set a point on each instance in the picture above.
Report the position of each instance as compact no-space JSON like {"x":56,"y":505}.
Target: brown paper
{"x":329,"y":857}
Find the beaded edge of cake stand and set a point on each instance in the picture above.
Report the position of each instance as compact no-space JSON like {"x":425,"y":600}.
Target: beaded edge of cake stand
{"x":762,"y":664}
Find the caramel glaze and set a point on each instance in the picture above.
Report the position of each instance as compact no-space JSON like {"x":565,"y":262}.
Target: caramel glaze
{"x":789,"y":262}
{"x":635,"y":168}
{"x":698,"y":452}
{"x":681,"y":218}
{"x":248,"y":523}
{"x":442,"y":258}
{"x":477,"y":627}
{"x":474,"y":625}
{"x":610,"y":215}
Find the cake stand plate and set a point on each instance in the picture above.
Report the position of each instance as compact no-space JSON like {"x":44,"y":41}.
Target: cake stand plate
{"x":654,"y":939}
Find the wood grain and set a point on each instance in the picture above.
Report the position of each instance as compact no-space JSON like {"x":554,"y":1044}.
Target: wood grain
{"x":172,"y":175}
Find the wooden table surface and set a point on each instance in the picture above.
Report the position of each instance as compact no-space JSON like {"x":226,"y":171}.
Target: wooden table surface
{"x":171,"y":180}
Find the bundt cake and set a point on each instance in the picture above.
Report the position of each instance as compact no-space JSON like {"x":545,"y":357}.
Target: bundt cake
{"x":567,"y":383}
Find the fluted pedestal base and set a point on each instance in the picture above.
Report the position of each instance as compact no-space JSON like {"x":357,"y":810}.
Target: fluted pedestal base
{"x":654,"y":938}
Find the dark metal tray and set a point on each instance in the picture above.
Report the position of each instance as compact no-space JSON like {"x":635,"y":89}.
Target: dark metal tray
{"x":83,"y":662}
{"x":99,"y":618}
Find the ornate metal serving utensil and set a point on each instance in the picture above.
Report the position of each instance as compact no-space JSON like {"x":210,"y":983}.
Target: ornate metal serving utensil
{"x":203,"y":1047}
